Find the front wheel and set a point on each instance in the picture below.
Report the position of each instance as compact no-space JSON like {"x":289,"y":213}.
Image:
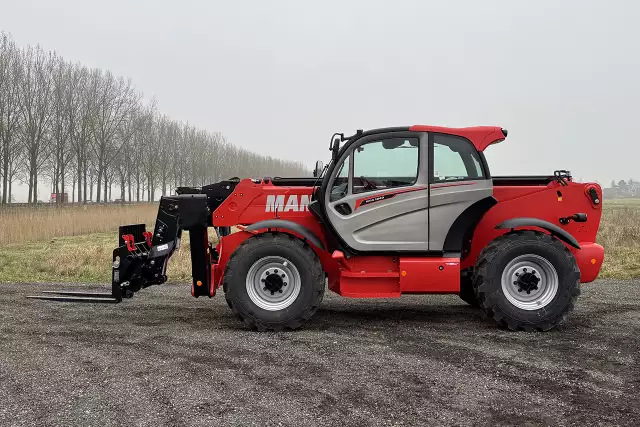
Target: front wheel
{"x":274,"y":282}
{"x":527,"y":280}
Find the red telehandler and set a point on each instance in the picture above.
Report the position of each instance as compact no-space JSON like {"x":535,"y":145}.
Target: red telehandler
{"x":406,"y":210}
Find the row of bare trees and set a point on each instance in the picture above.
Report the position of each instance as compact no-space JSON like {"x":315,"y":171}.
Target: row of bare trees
{"x":88,"y":131}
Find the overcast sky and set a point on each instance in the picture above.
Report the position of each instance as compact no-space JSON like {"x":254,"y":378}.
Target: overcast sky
{"x":279,"y":77}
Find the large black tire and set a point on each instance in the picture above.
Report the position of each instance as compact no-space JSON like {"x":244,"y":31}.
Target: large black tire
{"x":490,"y":291}
{"x":297,"y":254}
{"x":467,"y":291}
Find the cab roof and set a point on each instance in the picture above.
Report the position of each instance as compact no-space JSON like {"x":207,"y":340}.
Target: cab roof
{"x":480,"y":136}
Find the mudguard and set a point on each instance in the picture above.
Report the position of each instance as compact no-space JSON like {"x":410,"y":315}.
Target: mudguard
{"x":546,"y":225}
{"x":288,"y":225}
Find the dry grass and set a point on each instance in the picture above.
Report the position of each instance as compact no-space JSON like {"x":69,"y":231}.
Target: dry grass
{"x":75,"y":244}
{"x":620,"y":235}
{"x":29,"y":224}
{"x":84,"y":259}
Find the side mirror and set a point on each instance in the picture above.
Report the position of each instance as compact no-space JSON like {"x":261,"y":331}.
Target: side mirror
{"x":318,"y":170}
{"x":335,"y":149}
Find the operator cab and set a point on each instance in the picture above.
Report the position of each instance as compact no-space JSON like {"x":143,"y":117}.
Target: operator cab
{"x":402,"y":189}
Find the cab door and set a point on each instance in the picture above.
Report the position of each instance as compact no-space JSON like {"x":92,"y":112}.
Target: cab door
{"x":377,"y":198}
{"x":458,"y":179}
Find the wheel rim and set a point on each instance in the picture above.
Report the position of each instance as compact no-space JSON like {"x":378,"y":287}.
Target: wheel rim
{"x":530,"y":282}
{"x":273,"y":283}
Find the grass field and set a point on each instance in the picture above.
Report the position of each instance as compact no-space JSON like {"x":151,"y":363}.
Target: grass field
{"x":74,"y":244}
{"x":84,"y":259}
{"x":619,"y":233}
{"x":40,"y":224}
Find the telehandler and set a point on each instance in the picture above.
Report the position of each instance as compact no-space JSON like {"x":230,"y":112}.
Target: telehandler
{"x":404,"y":210}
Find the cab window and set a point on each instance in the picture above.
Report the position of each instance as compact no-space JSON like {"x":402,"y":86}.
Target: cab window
{"x":385,"y":164}
{"x":455,"y":159}
{"x":341,"y":183}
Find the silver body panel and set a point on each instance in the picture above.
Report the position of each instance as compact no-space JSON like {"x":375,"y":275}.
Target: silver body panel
{"x":448,"y":202}
{"x":398,"y":224}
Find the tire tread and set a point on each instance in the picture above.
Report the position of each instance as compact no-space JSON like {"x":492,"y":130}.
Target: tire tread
{"x":249,"y":319}
{"x":481,"y":275}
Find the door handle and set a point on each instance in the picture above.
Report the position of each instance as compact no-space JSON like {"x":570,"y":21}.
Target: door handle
{"x":343,"y":208}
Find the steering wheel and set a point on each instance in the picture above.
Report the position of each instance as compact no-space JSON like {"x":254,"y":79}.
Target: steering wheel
{"x":339,"y":191}
{"x":368,"y":184}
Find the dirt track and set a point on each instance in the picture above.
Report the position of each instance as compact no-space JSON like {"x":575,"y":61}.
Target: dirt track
{"x":164,"y":358}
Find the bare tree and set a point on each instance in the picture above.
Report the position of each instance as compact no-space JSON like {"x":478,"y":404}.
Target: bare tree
{"x":150,"y":144}
{"x":78,"y":115}
{"x":61,"y":147}
{"x":36,"y":109}
{"x":136,"y":155}
{"x":115,"y":99}
{"x":10,"y":74}
{"x":62,"y":121}
{"x":123,"y":164}
{"x":178,"y":155}
{"x":167,"y":132}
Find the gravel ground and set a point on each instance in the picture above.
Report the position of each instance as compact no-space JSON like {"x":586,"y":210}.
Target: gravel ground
{"x":164,"y":358}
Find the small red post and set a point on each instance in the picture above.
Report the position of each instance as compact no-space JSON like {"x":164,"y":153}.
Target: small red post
{"x":128,"y":239}
{"x":147,"y":236}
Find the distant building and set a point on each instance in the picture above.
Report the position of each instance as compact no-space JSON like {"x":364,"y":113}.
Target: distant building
{"x":63,"y":197}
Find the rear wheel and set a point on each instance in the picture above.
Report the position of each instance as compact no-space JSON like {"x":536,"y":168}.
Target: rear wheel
{"x":274,"y":281}
{"x":527,"y":280}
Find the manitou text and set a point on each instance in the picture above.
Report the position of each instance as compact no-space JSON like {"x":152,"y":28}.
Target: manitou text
{"x":294,"y":203}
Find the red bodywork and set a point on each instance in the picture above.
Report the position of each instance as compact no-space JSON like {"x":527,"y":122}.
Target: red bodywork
{"x":480,"y":136}
{"x":390,"y":276}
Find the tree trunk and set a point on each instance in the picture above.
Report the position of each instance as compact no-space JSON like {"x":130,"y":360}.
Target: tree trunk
{"x":30,"y":199}
{"x":5,"y":175}
{"x":84,"y":180}
{"x":129,"y":182}
{"x":62,"y":184}
{"x":55,"y":188}
{"x":105,"y":185}
{"x":122,"y":188}
{"x":91,"y":189}
{"x":35,"y":188}
{"x":79,"y":158}
{"x":99,"y":183}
